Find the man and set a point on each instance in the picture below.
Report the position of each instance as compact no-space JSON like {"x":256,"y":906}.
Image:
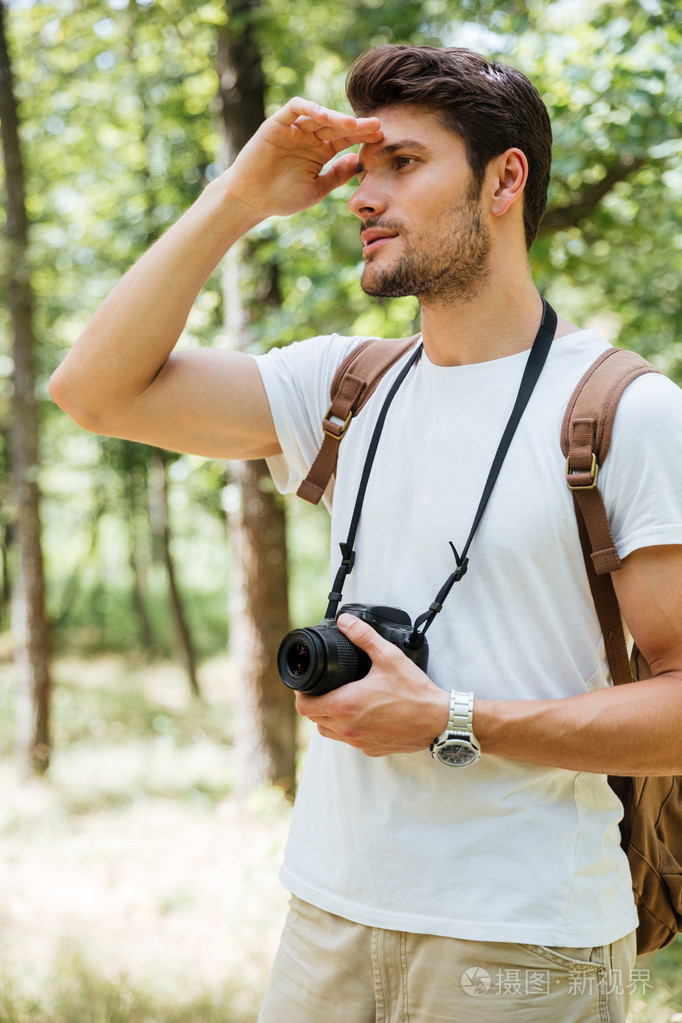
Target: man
{"x":421,"y":889}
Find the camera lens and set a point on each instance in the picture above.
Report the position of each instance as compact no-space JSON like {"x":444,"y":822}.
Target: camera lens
{"x":302,"y":659}
{"x":298,"y":659}
{"x":318,"y":659}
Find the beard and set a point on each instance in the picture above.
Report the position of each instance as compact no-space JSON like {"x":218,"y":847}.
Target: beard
{"x":450,"y":265}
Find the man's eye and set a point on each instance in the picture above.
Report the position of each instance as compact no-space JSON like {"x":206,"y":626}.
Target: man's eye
{"x":403,"y":161}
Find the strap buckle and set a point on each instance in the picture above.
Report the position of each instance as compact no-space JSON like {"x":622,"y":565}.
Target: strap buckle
{"x":334,"y":430}
{"x":594,"y":473}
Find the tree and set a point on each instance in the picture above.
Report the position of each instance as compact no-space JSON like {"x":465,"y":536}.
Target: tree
{"x":259,"y":609}
{"x":614,"y":89}
{"x":156,"y":472}
{"x":121,"y":135}
{"x":158,"y":507}
{"x":30,"y":627}
{"x":118,"y":101}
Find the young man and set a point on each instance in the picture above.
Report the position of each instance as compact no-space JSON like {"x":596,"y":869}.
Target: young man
{"x":422,"y":888}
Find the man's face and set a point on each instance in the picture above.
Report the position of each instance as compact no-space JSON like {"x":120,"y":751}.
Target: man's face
{"x":423,"y":233}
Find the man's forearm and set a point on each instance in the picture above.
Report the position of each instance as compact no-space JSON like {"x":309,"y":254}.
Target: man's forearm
{"x":280,"y":171}
{"x":632,"y":729}
{"x":135,"y":329}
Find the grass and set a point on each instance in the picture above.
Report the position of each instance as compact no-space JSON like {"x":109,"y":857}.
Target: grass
{"x":659,"y":998}
{"x":136,"y":886}
{"x":77,"y":992}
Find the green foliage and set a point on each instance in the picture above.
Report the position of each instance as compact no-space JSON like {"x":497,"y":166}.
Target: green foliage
{"x":613,"y":83}
{"x":140,"y":732}
{"x":655,"y":1000}
{"x":96,"y":517}
{"x":119,"y":128}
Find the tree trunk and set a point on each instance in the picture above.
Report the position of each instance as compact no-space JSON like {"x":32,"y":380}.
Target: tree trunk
{"x":30,"y":629}
{"x":266,"y":741}
{"x":158,"y":505}
{"x":136,"y":488}
{"x":259,"y":610}
{"x":5,"y":589}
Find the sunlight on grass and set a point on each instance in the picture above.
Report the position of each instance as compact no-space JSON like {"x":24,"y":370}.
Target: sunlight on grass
{"x":659,"y":999}
{"x":136,"y":887}
{"x":77,"y":992}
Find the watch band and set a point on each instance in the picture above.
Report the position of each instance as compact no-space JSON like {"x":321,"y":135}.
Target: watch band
{"x":461,"y":714}
{"x":458,"y":746}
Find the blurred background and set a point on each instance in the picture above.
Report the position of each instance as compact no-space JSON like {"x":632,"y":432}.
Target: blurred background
{"x":148,"y":750}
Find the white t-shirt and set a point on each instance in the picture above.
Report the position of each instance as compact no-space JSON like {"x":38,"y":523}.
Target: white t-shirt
{"x":502,"y":850}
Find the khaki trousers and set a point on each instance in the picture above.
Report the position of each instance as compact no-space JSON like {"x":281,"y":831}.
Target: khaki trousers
{"x":330,"y":970}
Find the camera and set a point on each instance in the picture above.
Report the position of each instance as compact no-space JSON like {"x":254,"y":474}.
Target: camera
{"x":320,"y":658}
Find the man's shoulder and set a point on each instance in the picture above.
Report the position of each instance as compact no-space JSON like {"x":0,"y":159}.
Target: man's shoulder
{"x":316,"y":342}
{"x":652,"y":402}
{"x":316,"y":360}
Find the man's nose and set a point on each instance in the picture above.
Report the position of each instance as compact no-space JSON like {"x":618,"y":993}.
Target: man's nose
{"x":367,"y":200}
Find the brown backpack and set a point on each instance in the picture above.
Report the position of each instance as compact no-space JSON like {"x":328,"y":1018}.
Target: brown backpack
{"x":651,"y":828}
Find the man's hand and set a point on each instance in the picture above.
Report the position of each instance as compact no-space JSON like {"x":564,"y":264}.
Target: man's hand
{"x":280,"y":170}
{"x":122,"y":377}
{"x":396,"y":708}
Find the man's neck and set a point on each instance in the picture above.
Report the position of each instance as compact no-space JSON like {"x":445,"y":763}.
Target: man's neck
{"x":496,"y":322}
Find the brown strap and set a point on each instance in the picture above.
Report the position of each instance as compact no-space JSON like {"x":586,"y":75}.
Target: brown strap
{"x":585,"y":440}
{"x":599,"y":391}
{"x":608,"y":611}
{"x":355,"y":380}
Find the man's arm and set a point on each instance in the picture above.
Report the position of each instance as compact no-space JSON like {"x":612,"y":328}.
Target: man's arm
{"x":629,"y":729}
{"x":122,"y":377}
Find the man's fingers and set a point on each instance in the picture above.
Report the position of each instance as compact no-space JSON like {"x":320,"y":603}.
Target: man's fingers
{"x":344,"y":141}
{"x":325,"y":124}
{"x":364,"y":636}
{"x":340,"y":171}
{"x":330,"y":133}
{"x":300,"y":108}
{"x":313,"y":126}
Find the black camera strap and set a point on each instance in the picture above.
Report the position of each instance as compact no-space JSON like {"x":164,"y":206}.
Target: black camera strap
{"x":347,"y":552}
{"x":536,"y":360}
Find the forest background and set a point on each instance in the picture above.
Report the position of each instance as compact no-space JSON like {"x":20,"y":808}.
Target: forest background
{"x":148,"y":752}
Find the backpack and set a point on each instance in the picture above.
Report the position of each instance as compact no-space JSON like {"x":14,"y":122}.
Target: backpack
{"x":651,"y":827}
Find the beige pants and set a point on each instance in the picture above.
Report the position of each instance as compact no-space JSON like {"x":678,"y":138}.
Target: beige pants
{"x":330,"y":970}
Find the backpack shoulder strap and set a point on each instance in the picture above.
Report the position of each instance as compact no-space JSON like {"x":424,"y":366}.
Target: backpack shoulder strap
{"x":355,"y":380}
{"x":585,"y":440}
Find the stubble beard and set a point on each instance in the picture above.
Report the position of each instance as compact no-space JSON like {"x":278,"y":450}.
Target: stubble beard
{"x":450,"y":266}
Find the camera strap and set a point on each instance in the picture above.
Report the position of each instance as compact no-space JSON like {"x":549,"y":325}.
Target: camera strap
{"x":536,"y":360}
{"x":347,"y":552}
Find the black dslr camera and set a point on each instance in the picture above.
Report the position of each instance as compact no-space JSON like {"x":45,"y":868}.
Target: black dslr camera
{"x":320,"y":658}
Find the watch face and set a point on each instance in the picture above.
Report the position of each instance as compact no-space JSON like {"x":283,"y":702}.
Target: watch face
{"x":456,"y":754}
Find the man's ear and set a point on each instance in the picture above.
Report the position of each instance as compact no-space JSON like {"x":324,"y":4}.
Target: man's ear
{"x":509,"y":175}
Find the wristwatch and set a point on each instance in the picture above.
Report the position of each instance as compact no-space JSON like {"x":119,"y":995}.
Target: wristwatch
{"x":457,"y":746}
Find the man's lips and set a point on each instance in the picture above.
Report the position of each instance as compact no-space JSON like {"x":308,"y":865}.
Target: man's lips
{"x":373,"y":238}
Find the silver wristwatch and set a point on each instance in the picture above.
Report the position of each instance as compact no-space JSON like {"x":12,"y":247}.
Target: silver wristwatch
{"x":457,"y":746}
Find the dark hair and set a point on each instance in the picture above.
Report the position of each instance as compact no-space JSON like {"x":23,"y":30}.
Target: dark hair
{"x":492,"y":107}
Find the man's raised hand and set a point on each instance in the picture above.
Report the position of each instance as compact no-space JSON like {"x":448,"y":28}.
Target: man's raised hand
{"x":280,"y":171}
